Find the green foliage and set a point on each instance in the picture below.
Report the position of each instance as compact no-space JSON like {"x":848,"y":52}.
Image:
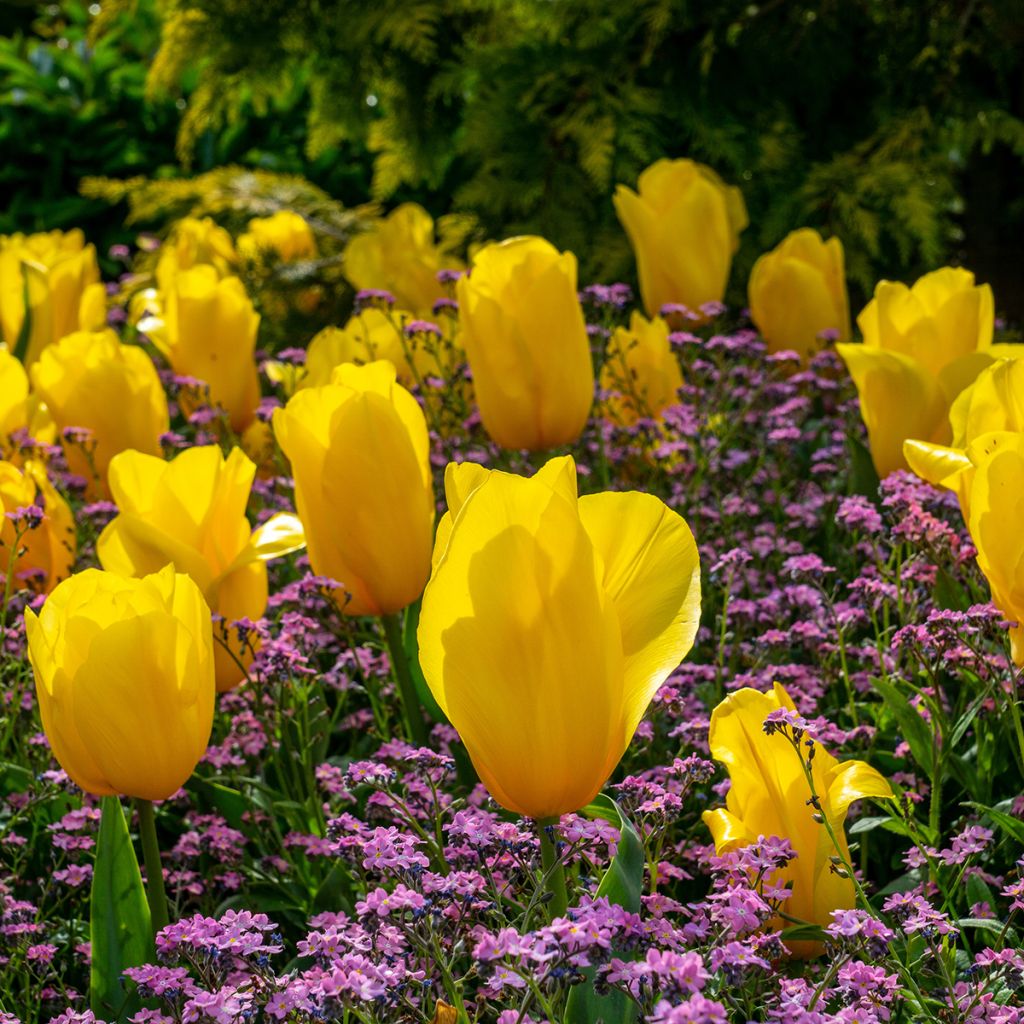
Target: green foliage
{"x":857,"y":118}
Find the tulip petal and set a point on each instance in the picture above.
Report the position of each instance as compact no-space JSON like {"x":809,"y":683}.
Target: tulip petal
{"x":728,"y":832}
{"x":848,"y":781}
{"x":280,"y":535}
{"x":935,"y":463}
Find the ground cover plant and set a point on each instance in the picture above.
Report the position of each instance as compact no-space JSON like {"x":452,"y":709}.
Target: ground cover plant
{"x":516,"y":649}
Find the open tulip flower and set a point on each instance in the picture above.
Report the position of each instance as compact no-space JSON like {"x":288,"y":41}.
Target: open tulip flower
{"x":191,"y":512}
{"x":797,"y":291}
{"x":922,"y":347}
{"x":769,"y":796}
{"x":112,"y":391}
{"x":124,"y":680}
{"x":996,"y":502}
{"x":37,"y":529}
{"x":360,"y":456}
{"x":684,"y":224}
{"x":994,"y":402}
{"x":526,"y":342}
{"x":549,"y":623}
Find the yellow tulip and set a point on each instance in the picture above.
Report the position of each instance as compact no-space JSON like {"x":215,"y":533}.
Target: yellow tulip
{"x":640,"y":370}
{"x":194,"y":242}
{"x":684,"y":224}
{"x":798,"y":290}
{"x":56,"y":271}
{"x":398,"y":254}
{"x":20,"y":410}
{"x":768,"y":797}
{"x":996,"y":498}
{"x":124,"y":680}
{"x":360,"y":456}
{"x":285,"y":233}
{"x":369,"y":335}
{"x":922,"y":347}
{"x":209,"y":332}
{"x":994,"y":402}
{"x":191,"y":512}
{"x":527,"y":345}
{"x":38,"y":555}
{"x":548,"y":625}
{"x":112,"y":390}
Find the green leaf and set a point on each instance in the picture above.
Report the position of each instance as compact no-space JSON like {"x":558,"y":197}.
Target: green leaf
{"x":1012,"y":826}
{"x":949,"y":594}
{"x":25,"y":334}
{"x":622,"y":884}
{"x":412,"y":656}
{"x":863,"y":477}
{"x":862,"y":825}
{"x":913,"y":727}
{"x":804,"y":933}
{"x":120,"y":928}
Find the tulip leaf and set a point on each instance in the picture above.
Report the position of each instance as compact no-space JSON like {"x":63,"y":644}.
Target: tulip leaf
{"x":623,"y":885}
{"x":804,"y":933}
{"x":863,"y":477}
{"x":120,"y":927}
{"x":914,"y":728}
{"x":25,"y":334}
{"x":412,"y":655}
{"x":1012,"y":826}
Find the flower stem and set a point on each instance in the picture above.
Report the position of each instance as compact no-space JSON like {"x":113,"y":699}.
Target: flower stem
{"x":554,"y":873}
{"x":155,"y":892}
{"x":414,"y":725}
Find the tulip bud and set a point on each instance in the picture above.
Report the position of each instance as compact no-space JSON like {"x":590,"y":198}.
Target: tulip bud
{"x":526,"y":341}
{"x":195,"y":241}
{"x":640,"y":371}
{"x":112,"y":390}
{"x":20,"y":410}
{"x":684,"y":225}
{"x":360,"y":457}
{"x":285,"y":232}
{"x":124,"y":680}
{"x":797,"y":291}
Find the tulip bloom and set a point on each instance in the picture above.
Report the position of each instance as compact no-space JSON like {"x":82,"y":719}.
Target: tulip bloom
{"x":797,"y":291}
{"x":19,"y":410}
{"x":368,"y":336}
{"x":57,"y":270}
{"x":191,"y":512}
{"x":684,"y":224}
{"x":209,"y":332}
{"x":527,"y":345}
{"x":360,"y":456}
{"x":548,"y":625}
{"x":285,"y":232}
{"x":124,"y":680}
{"x":398,"y":254}
{"x":112,"y":390}
{"x":994,"y":402}
{"x":37,"y":553}
{"x":768,"y":797}
{"x":922,"y":347}
{"x":641,"y":371}
{"x":195,"y":241}
{"x":996,"y":497}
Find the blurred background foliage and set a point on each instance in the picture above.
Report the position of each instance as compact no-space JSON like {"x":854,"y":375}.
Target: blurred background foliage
{"x":895,"y":125}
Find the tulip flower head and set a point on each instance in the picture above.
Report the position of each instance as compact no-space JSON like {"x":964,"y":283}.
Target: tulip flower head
{"x":37,"y":530}
{"x":922,"y":347}
{"x":641,"y":372}
{"x":769,"y":795}
{"x":526,"y":342}
{"x":549,"y":623}
{"x":20,"y":411}
{"x":360,"y":455}
{"x":195,"y":241}
{"x":684,"y":224}
{"x":108,"y":390}
{"x":798,"y":291}
{"x":124,"y":680}
{"x":191,"y":512}
{"x":286,"y":233}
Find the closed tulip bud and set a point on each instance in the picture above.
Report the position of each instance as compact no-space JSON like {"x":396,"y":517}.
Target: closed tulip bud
{"x":398,"y":254}
{"x":526,"y":342}
{"x":124,"y":680}
{"x":993,"y":403}
{"x":548,"y":625}
{"x":797,"y":291}
{"x":111,"y":390}
{"x":285,"y":233}
{"x":996,"y":498}
{"x":769,"y":796}
{"x":20,"y":410}
{"x":191,"y":512}
{"x":640,"y":371}
{"x":684,"y":224}
{"x":360,"y":456}
{"x":37,"y":530}
{"x":55,"y":271}
{"x":922,"y":347}
{"x":195,"y":241}
{"x":209,"y":332}
{"x":369,"y":335}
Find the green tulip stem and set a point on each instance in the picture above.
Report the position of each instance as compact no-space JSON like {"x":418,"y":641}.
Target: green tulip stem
{"x":155,"y":892}
{"x":554,"y":872}
{"x":414,"y":725}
